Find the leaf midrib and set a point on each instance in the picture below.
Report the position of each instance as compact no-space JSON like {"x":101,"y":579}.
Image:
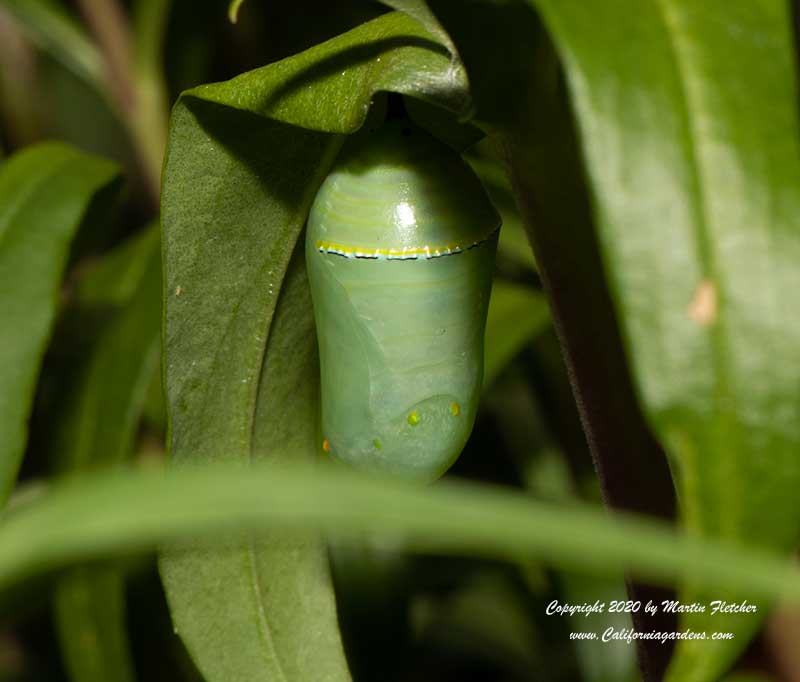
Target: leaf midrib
{"x":294,"y":225}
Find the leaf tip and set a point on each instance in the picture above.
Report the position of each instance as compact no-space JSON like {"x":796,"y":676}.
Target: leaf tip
{"x":233,"y":10}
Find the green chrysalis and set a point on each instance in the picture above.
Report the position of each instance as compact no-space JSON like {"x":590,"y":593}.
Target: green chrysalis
{"x":400,"y":251}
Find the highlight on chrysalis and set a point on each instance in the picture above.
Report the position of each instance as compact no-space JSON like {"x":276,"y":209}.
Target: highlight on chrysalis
{"x":400,"y":251}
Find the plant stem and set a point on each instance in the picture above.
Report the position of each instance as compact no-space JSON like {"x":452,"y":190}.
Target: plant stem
{"x":108,"y":22}
{"x":152,"y":113}
{"x":18,"y":84}
{"x":133,"y":76}
{"x":54,"y":31}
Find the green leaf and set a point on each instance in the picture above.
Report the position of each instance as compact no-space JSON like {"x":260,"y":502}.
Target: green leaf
{"x":513,"y":245}
{"x":600,"y":661}
{"x":270,"y":597}
{"x":242,"y":167}
{"x":233,"y":10}
{"x":90,"y":620}
{"x":44,"y":193}
{"x":96,"y":429}
{"x":144,"y":507}
{"x":692,"y":148}
{"x":421,"y":12}
{"x":516,"y":315}
{"x":486,"y":621}
{"x":112,"y":281}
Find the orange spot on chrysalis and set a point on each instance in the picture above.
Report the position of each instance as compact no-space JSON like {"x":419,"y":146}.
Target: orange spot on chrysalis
{"x":326,"y":446}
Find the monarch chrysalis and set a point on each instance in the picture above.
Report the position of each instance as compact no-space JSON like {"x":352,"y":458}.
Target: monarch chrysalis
{"x":400,"y":251}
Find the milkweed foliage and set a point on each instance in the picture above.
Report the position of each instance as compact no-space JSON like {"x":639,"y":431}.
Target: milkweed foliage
{"x":183,"y":362}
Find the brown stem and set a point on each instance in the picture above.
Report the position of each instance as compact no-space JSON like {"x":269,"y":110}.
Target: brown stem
{"x":19,"y":84}
{"x":111,"y":27}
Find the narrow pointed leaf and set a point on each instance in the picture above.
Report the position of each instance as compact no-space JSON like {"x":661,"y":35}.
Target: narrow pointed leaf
{"x":44,"y":193}
{"x":516,"y":315}
{"x":144,"y":507}
{"x":96,"y":430}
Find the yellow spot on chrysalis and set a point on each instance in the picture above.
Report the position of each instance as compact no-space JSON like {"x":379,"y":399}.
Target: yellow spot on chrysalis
{"x":326,"y":446}
{"x":413,"y":418}
{"x":703,"y":308}
{"x":178,"y":290}
{"x":377,"y":444}
{"x":455,"y":409}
